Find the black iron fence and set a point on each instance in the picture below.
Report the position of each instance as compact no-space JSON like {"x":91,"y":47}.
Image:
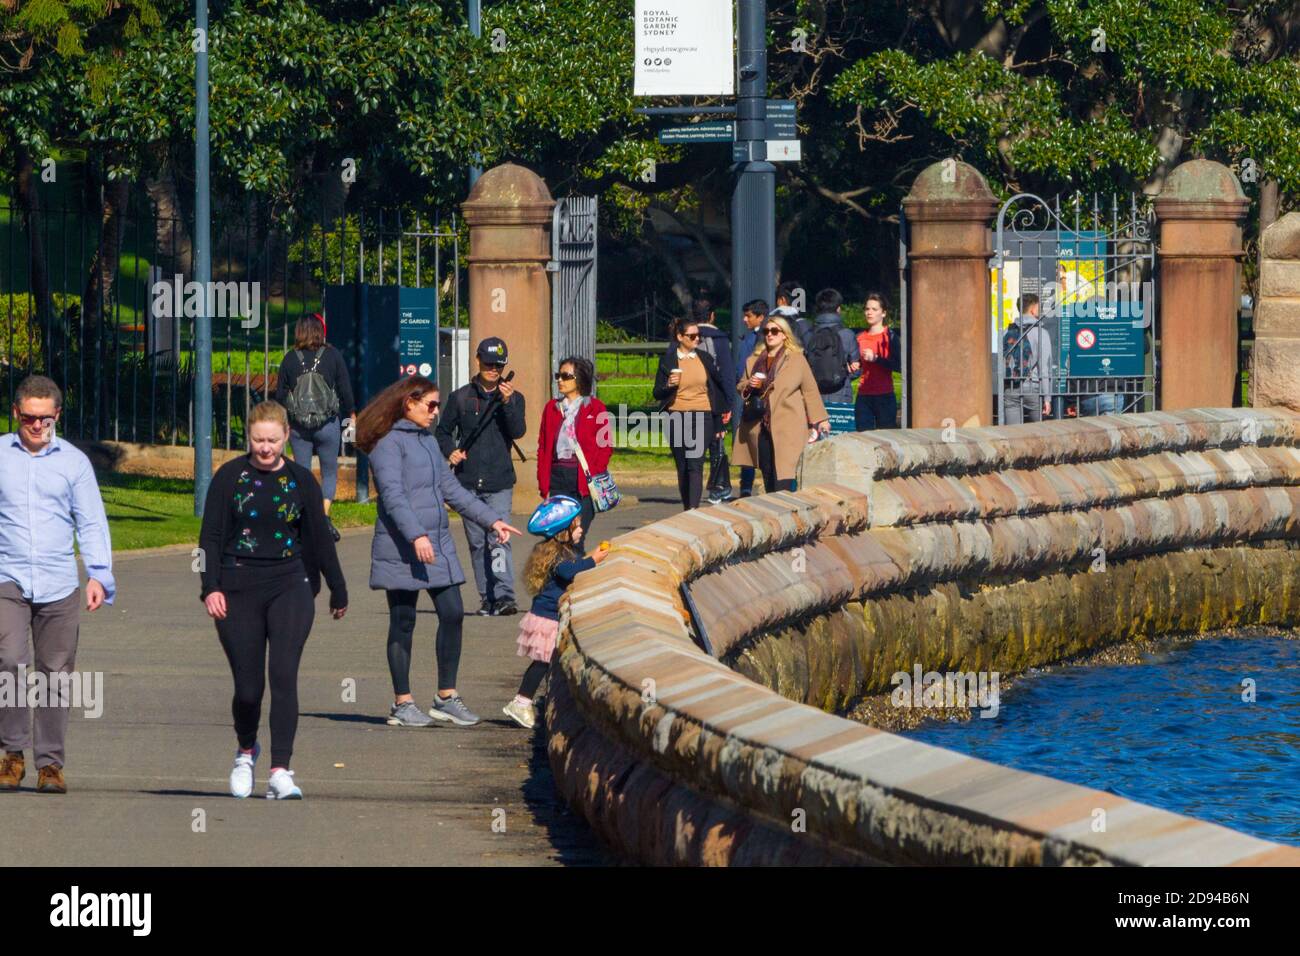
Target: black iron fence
{"x":107,"y":309}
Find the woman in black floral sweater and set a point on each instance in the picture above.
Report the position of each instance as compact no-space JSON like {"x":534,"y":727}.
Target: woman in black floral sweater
{"x":264,"y":546}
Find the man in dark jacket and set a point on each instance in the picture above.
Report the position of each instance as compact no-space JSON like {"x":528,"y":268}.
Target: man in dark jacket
{"x":479,"y":425}
{"x":822,"y":351}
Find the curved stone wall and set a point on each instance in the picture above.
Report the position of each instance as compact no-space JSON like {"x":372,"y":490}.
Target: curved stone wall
{"x":971,"y":549}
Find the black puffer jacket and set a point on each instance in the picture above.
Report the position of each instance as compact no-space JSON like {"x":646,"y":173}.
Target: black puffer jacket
{"x":488,"y":466}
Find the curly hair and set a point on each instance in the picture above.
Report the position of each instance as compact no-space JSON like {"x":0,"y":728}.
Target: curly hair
{"x":545,"y":556}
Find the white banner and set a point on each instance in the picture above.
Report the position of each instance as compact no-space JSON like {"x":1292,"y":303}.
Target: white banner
{"x":684,"y":48}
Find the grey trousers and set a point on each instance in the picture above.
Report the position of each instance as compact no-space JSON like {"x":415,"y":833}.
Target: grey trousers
{"x":53,"y":629}
{"x":494,"y":565}
{"x":1018,"y":408}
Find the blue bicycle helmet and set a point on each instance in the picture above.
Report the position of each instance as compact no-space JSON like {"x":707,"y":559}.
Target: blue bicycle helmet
{"x":554,"y":515}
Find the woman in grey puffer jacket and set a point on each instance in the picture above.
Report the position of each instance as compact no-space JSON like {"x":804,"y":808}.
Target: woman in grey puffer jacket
{"x":412,"y":548}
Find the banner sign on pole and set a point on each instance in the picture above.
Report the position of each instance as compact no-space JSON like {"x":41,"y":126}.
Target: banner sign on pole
{"x":684,"y":48}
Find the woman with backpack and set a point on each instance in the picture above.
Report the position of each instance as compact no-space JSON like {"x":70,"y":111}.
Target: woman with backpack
{"x":882,"y":356}
{"x":689,"y":386}
{"x":314,"y":386}
{"x":780,"y":400}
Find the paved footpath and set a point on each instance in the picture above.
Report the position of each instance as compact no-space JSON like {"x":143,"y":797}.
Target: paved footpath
{"x":140,"y":774}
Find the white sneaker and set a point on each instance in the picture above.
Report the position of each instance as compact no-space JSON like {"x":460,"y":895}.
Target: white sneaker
{"x":241,"y":774}
{"x":521,"y":714}
{"x":282,"y":787}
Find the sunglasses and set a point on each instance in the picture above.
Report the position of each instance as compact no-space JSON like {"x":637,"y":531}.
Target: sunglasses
{"x":44,"y":420}
{"x":432,"y":404}
{"x":564,"y":376}
{"x":493,"y":366}
{"x":773,"y":331}
{"x":692,"y":336}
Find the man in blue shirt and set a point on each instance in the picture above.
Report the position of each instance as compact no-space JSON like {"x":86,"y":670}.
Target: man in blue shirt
{"x":48,"y":492}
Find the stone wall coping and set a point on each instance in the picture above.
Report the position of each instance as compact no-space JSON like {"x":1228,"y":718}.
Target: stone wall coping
{"x":625,"y":630}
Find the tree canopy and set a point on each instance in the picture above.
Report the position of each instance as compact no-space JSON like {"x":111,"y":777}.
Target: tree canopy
{"x":1051,"y":96}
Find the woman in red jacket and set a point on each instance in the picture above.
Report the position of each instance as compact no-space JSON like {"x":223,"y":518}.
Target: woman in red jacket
{"x":576,"y":421}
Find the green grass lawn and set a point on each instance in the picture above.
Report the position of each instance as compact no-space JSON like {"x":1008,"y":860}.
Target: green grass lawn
{"x":146,"y":512}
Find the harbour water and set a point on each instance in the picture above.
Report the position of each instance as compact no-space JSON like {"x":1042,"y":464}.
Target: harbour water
{"x":1179,"y":730}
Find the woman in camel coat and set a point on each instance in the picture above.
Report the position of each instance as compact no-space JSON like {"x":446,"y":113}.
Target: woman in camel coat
{"x":779,"y":373}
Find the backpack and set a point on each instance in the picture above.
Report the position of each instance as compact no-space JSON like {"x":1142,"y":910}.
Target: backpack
{"x":313,"y":400}
{"x":1017,"y":354}
{"x":827,"y":359}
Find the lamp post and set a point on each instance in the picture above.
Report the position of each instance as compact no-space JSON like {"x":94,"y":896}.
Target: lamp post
{"x":202,"y":421}
{"x":753,"y":198}
{"x":476,"y":28}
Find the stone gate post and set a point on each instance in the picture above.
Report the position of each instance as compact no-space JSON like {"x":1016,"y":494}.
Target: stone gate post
{"x":509,"y":217}
{"x":1200,"y":211}
{"x":948,"y":211}
{"x":1275,"y":371}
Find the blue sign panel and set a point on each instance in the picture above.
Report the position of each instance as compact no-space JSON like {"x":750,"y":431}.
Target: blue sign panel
{"x":841,"y":416}
{"x":418,"y":331}
{"x":1105,"y":338}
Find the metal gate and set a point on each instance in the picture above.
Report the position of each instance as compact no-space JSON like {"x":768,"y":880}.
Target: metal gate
{"x":1091,"y":348}
{"x":573,"y":283}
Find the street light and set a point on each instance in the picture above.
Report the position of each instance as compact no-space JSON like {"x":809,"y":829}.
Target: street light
{"x":201,"y":428}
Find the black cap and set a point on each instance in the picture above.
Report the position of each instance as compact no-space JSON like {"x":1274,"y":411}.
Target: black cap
{"x":492,"y":350}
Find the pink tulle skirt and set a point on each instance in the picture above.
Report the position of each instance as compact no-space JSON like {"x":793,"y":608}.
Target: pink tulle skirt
{"x":537,"y":637}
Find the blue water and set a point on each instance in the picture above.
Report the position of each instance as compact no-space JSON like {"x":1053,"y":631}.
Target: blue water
{"x":1172,"y":732}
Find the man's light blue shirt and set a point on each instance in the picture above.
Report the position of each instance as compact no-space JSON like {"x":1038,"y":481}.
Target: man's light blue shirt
{"x":44,"y":499}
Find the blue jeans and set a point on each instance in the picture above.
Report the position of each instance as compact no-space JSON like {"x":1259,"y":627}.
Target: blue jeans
{"x":1107,"y":403}
{"x":325,"y":442}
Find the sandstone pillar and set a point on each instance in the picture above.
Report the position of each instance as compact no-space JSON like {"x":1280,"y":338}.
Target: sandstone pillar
{"x":1275,"y":370}
{"x":509,"y":215}
{"x":948,"y":212}
{"x":1200,"y":211}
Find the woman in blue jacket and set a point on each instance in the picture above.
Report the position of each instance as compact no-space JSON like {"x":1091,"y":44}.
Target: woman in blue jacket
{"x":412,"y":549}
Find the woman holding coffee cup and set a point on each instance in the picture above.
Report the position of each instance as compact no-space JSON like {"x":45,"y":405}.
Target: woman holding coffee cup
{"x":780,"y":401}
{"x":690,"y":388}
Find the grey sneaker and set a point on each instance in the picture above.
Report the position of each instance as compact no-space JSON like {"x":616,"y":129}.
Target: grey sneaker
{"x":407,"y":714}
{"x":453,"y":710}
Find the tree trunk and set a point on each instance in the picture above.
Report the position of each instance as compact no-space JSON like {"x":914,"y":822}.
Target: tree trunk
{"x":1270,"y":202}
{"x":681,"y":282}
{"x":171,"y":234}
{"x":39,"y":273}
{"x":97,"y":299}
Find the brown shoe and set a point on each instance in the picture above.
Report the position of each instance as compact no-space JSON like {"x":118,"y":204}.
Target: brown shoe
{"x":50,"y":780}
{"x":12,"y":771}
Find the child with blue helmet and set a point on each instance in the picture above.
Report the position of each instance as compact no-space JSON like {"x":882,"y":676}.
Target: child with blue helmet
{"x":551,"y":568}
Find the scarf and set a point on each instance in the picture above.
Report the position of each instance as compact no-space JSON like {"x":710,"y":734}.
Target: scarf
{"x":566,"y":443}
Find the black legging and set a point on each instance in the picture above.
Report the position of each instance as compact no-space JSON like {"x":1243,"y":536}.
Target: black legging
{"x":277,"y":613}
{"x":689,"y":437}
{"x":767,"y":463}
{"x":401,"y":625}
{"x":564,"y":481}
{"x":533,"y":679}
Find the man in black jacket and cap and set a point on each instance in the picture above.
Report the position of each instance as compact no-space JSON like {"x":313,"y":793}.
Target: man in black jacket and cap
{"x":477,"y":430}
